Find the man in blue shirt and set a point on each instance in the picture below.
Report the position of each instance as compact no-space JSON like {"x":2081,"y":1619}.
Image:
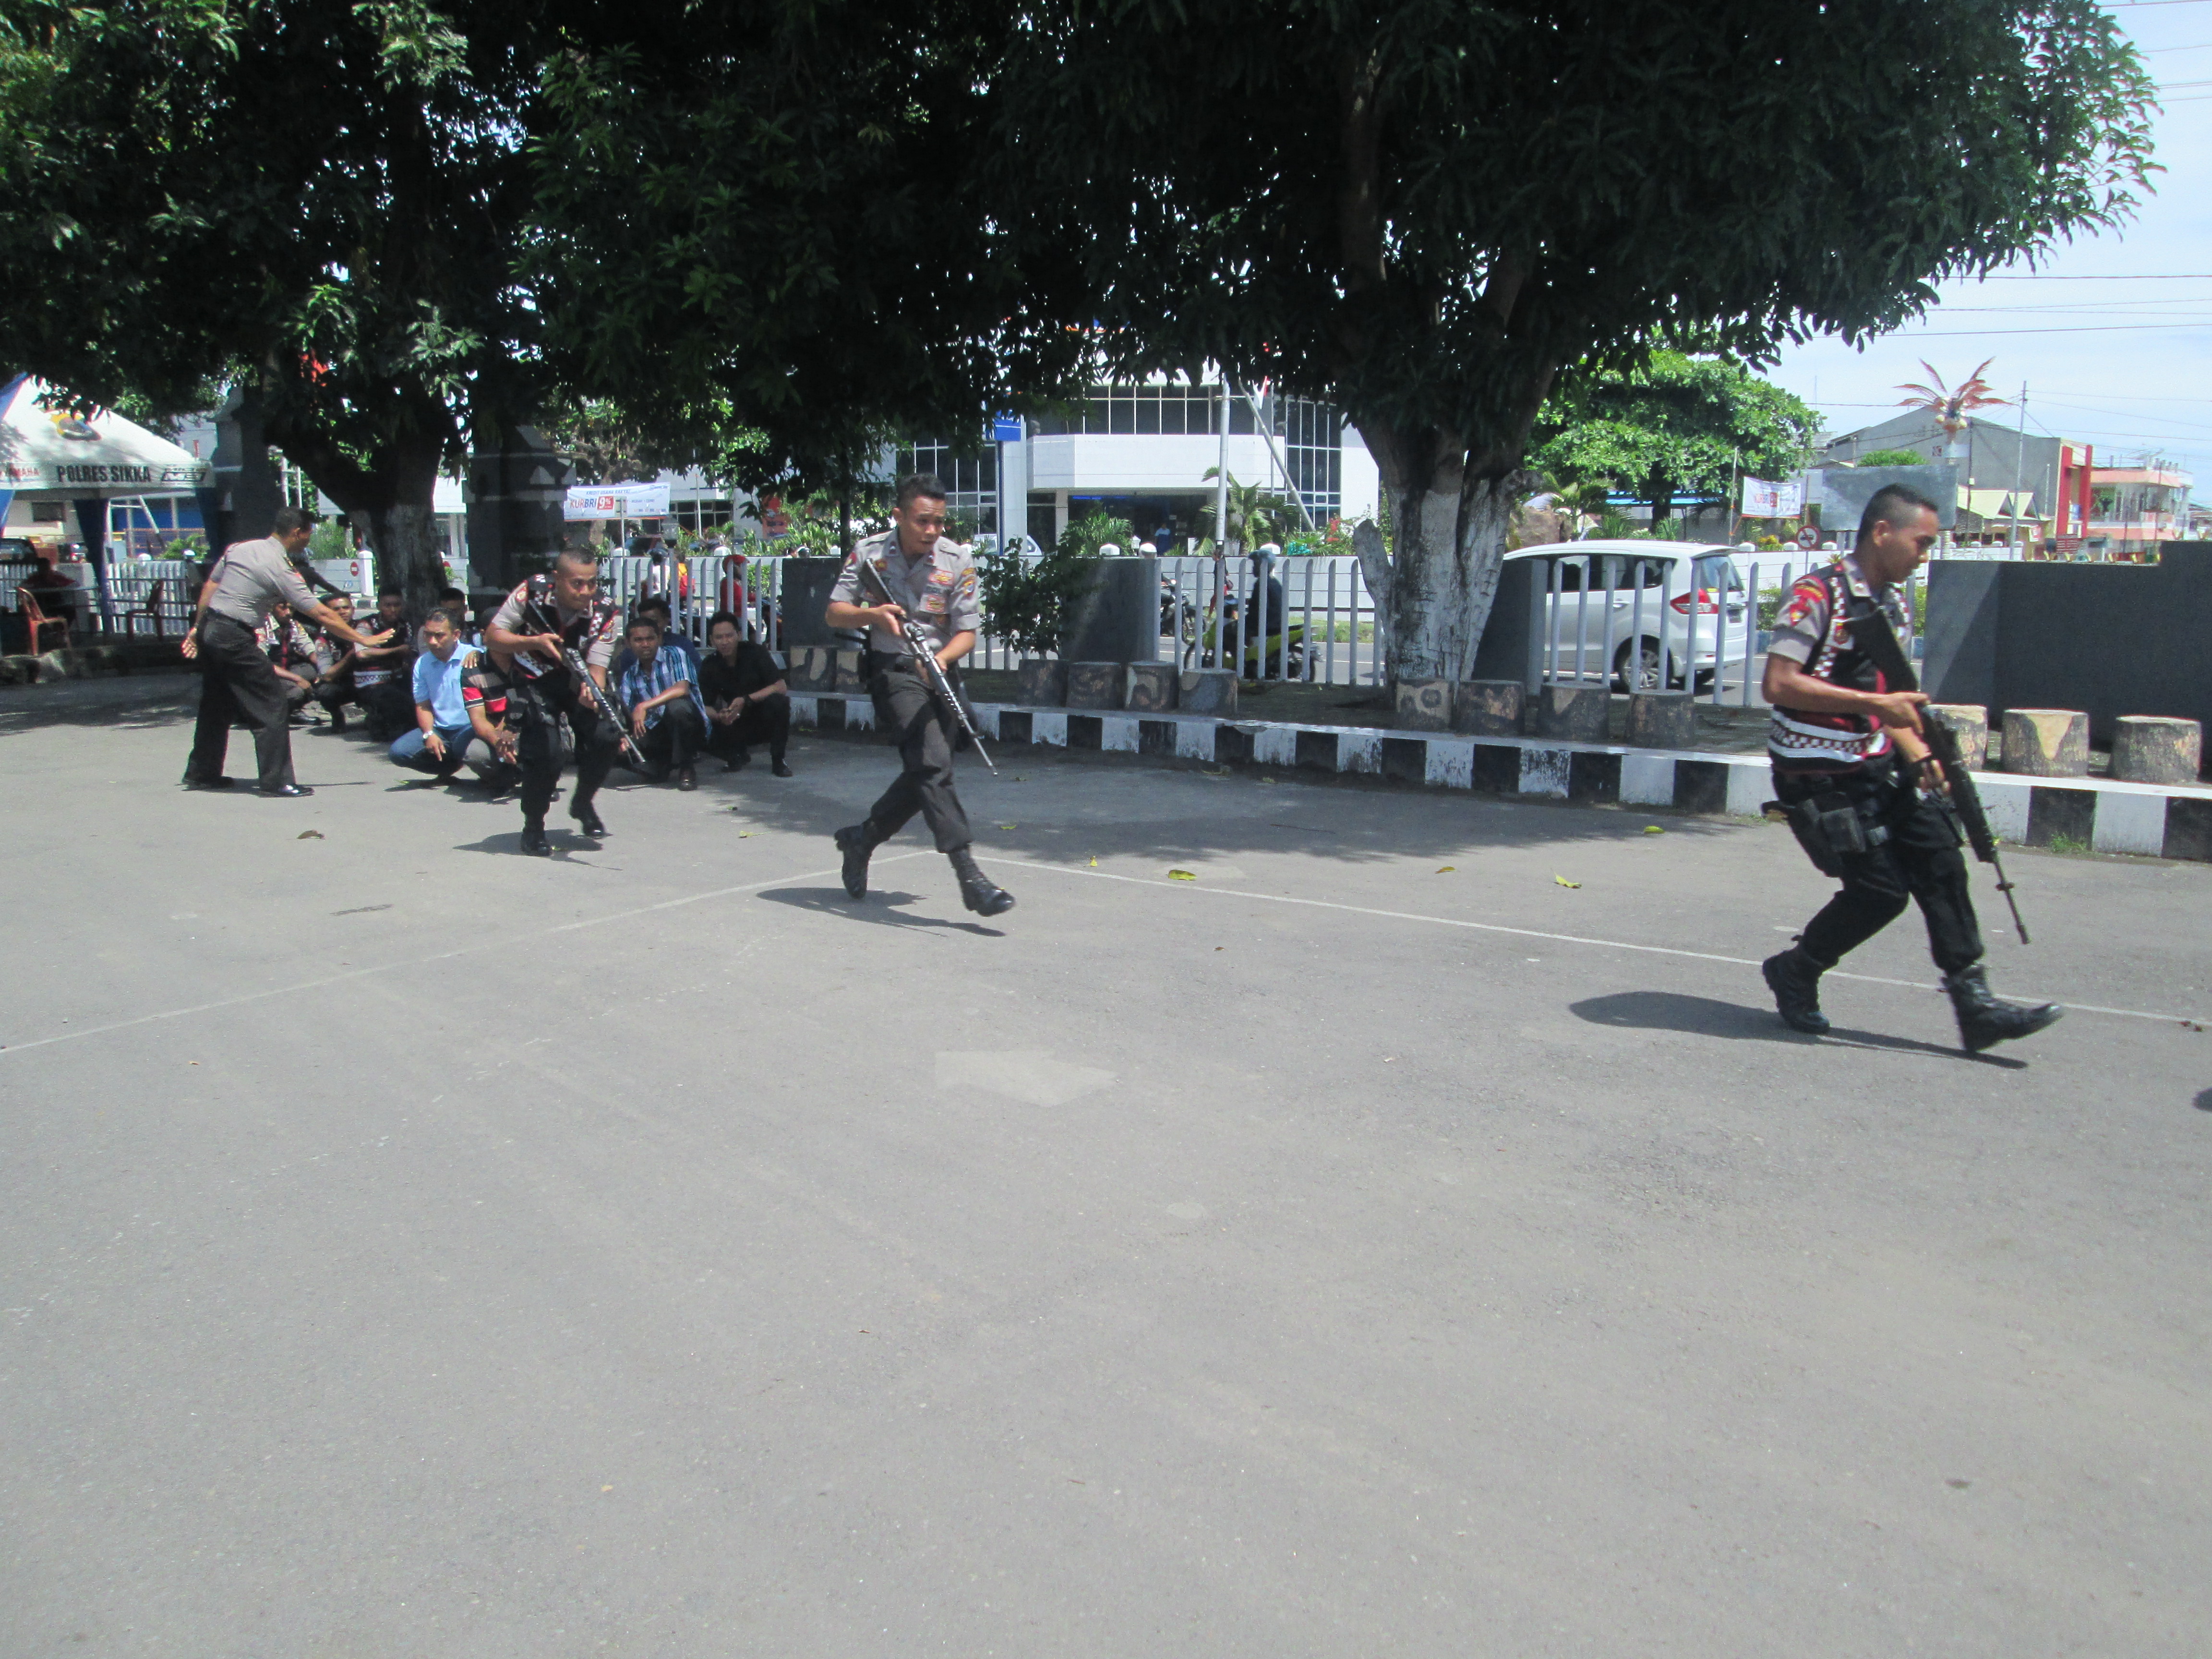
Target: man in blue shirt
{"x":660,"y":690}
{"x":442,"y":733}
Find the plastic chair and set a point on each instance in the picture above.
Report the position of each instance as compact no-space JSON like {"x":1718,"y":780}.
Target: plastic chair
{"x":36,"y":622}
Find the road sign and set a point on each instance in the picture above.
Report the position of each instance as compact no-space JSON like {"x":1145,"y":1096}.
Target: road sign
{"x":1005,"y":429}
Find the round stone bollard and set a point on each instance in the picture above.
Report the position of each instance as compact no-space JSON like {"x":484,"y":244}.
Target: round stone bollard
{"x":1043,"y":682}
{"x":1151,"y":689}
{"x":1489,"y":709}
{"x":1970,"y":724}
{"x":1662,"y":719}
{"x":1095,"y":685}
{"x":1575,"y":714}
{"x":1207,"y":691}
{"x":2047,"y":743}
{"x":2152,"y":749}
{"x":1424,"y":705}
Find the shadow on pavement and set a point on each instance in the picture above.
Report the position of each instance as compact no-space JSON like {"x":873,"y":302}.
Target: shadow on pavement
{"x":2204,"y":1101}
{"x":1670,"y":1011}
{"x":832,"y":900}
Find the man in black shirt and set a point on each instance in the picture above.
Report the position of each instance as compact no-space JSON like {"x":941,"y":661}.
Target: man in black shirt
{"x":746,"y":699}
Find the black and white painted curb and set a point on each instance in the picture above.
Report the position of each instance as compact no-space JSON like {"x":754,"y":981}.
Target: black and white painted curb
{"x":2161,"y":821}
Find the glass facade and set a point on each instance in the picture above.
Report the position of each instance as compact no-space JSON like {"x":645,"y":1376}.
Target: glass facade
{"x":1309,"y":432}
{"x":971,"y":483}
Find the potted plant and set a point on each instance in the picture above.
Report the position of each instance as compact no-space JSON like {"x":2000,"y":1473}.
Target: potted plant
{"x":1031,"y":602}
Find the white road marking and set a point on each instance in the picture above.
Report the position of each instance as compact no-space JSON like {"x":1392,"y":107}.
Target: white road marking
{"x":442,"y":956}
{"x":1522,"y":933}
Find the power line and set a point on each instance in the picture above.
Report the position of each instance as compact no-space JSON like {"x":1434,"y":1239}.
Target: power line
{"x":2085,"y":328}
{"x":2116,"y":276}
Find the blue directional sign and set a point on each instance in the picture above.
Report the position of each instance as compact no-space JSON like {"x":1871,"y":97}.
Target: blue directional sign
{"x":1005,"y":429}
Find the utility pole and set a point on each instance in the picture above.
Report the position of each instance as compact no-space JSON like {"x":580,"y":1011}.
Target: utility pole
{"x":2019,"y":471}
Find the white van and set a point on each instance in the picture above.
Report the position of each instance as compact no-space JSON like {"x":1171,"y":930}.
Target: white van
{"x":1632,"y":612}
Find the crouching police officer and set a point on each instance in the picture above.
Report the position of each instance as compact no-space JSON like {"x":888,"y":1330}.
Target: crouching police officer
{"x":931,"y":581}
{"x":530,"y":636}
{"x":1865,"y":796}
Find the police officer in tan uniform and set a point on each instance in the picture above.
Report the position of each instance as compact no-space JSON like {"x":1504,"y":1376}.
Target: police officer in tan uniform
{"x":932,"y":580}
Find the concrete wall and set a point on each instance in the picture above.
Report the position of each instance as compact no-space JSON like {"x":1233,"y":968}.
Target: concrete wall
{"x":2110,"y":639}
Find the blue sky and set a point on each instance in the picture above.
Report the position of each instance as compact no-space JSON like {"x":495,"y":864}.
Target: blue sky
{"x":2112,"y":359}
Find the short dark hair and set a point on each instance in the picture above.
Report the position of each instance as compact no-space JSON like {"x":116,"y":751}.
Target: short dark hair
{"x":290,"y":520}
{"x":654,"y":602}
{"x":445,"y":594}
{"x":576,"y":556}
{"x":392,"y":591}
{"x":916,"y":485}
{"x":640,"y":620}
{"x":1892,"y":503}
{"x":436,"y":618}
{"x":721,"y":617}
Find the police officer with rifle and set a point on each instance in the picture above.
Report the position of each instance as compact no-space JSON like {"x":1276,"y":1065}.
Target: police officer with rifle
{"x":555,"y":636}
{"x":914,"y":590}
{"x":1874,"y":790}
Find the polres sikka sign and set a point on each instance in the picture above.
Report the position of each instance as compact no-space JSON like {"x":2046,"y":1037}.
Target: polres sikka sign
{"x":46,"y":450}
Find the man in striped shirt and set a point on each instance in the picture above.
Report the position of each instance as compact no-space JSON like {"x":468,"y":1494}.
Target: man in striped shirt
{"x":666,"y":715}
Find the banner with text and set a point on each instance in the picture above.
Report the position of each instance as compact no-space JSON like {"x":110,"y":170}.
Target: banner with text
{"x":1764,"y":499}
{"x":621,"y":501}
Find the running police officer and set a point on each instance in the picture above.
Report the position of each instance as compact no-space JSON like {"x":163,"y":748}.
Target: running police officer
{"x":1866,"y":799}
{"x":933,"y":581}
{"x":529,"y":636}
{"x":237,"y":680}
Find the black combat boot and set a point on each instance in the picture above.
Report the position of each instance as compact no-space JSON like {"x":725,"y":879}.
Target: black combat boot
{"x":856,"y":841}
{"x":587,"y":819}
{"x":533,"y":838}
{"x":1795,"y":978}
{"x":1984,"y":1019}
{"x":977,"y":890}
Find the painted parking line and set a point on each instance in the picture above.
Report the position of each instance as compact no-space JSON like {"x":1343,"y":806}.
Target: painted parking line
{"x":1526,"y":932}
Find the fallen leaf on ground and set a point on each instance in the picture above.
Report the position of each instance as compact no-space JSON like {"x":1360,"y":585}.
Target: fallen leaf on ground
{"x":309,"y":835}
{"x":1180,"y":875}
{"x":744,"y":835}
{"x":1266,"y":780}
{"x":1446,"y":870}
{"x":1010,"y":826}
{"x":1564,"y":882}
{"x":1094,"y":864}
{"x":1653,"y":829}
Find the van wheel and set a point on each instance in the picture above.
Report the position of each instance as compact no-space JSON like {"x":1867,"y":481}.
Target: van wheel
{"x":1645,"y":670}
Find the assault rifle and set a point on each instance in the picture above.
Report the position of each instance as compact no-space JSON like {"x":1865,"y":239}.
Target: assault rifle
{"x":1871,"y":627}
{"x":918,"y":642}
{"x":580,"y":671}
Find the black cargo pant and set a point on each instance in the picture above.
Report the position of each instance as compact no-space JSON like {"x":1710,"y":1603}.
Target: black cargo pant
{"x":1920,"y":861}
{"x":237,"y":683}
{"x":674,"y":740}
{"x":912,"y":716}
{"x":547,"y":703}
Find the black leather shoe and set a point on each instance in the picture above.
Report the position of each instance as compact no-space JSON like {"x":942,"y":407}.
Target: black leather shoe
{"x":1985,"y":1019}
{"x":1794,"y":979}
{"x":534,"y":841}
{"x":977,"y":890}
{"x":211,"y":783}
{"x":687,"y":778}
{"x":780,"y":769}
{"x":587,"y":819}
{"x":743,"y":757}
{"x":288,"y":792}
{"x":856,"y":841}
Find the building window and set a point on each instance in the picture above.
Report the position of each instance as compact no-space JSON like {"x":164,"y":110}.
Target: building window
{"x":971,"y":483}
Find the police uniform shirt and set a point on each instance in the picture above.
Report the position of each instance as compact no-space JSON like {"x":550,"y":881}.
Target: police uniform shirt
{"x":937,"y":591}
{"x":1812,"y":632}
{"x":592,"y":632}
{"x":250,"y":578}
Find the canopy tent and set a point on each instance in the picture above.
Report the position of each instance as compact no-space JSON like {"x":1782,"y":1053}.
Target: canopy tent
{"x":85,"y":460}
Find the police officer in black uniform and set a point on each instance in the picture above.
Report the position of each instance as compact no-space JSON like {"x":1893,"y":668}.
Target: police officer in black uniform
{"x":527,"y":635}
{"x":932,"y":580}
{"x":1866,"y":798}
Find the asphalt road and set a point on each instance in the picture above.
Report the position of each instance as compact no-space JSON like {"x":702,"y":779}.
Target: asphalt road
{"x":1371,"y":1246}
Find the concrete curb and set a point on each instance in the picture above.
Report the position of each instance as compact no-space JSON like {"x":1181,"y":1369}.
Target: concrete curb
{"x":2161,"y":821}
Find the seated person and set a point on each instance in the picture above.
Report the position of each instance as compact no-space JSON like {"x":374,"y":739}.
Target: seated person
{"x":291,"y":652}
{"x":439,"y":742}
{"x":56,"y":593}
{"x":455,"y":603}
{"x":497,"y":722}
{"x":334,"y":662}
{"x":380,"y":673}
{"x":666,"y":715}
{"x":1263,"y":606}
{"x":744,"y":695}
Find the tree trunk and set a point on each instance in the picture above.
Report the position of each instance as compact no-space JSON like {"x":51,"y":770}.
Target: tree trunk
{"x":409,"y":544}
{"x":1433,"y":587}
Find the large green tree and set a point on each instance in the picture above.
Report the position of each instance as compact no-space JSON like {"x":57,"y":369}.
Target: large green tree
{"x":1425,"y":210}
{"x":317,"y":200}
{"x":1674,"y":425}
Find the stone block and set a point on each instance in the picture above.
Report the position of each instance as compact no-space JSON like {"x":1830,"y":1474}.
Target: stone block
{"x":811,"y":668}
{"x":1095,"y":684}
{"x":1424,"y":705}
{"x":2047,"y":743}
{"x":1662,"y":719}
{"x":1152,"y":687}
{"x":1489,"y":709}
{"x":2150,"y":749}
{"x":1970,"y":724}
{"x":1043,"y":682}
{"x":1577,"y":713}
{"x":1207,"y":691}
{"x":851,"y":669}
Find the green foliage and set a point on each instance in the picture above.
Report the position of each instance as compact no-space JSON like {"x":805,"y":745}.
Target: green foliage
{"x":1029,"y":603}
{"x":330,"y":540}
{"x":1256,"y":515}
{"x":1892,"y":458}
{"x":1676,"y":425}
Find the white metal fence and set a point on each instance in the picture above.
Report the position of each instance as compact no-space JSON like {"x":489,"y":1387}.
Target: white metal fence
{"x":149,"y":598}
